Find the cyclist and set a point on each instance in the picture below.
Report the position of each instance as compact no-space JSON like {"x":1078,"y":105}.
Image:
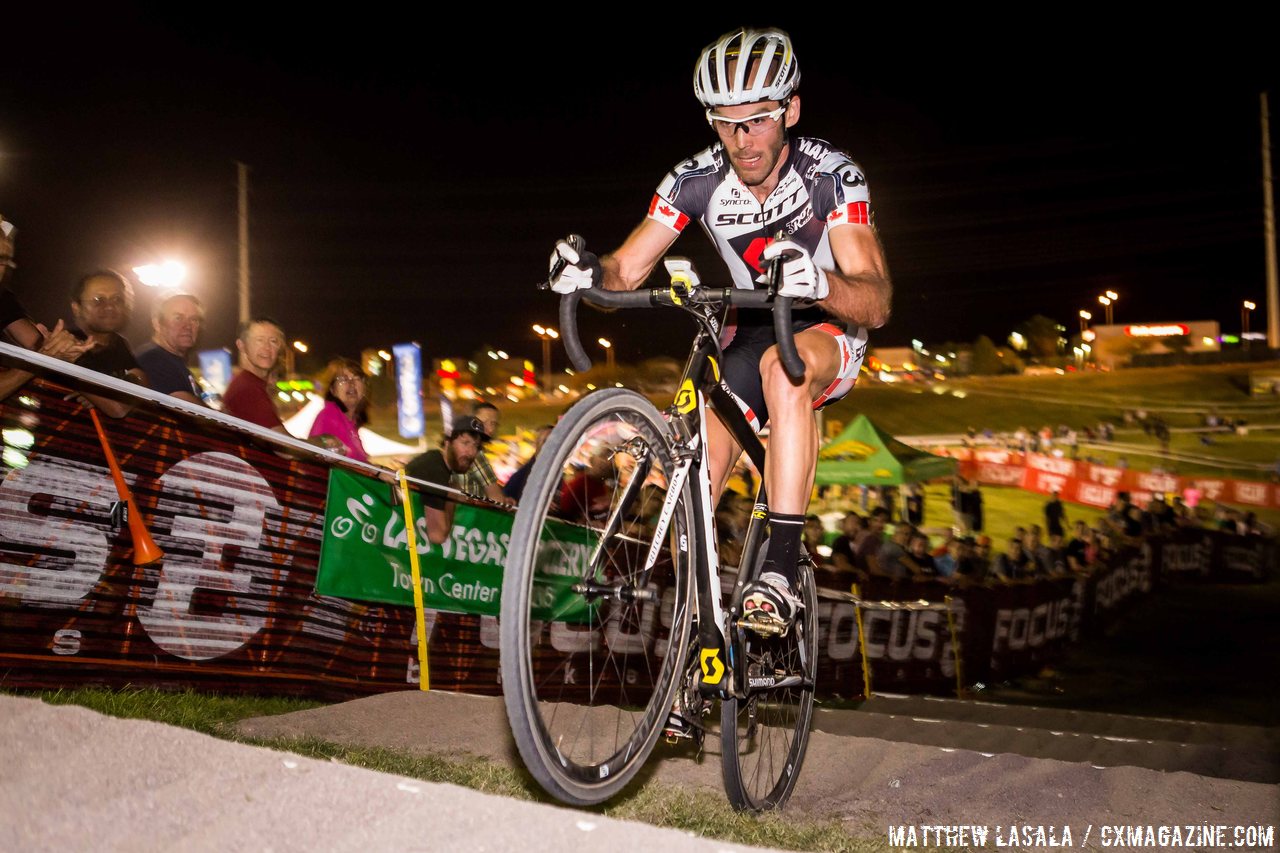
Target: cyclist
{"x":756,"y":182}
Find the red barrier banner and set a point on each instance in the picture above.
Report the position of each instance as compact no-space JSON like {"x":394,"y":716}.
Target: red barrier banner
{"x":1097,"y":485}
{"x":232,"y":608}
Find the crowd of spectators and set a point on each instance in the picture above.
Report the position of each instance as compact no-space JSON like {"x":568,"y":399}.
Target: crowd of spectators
{"x":872,"y":545}
{"x":101,"y":305}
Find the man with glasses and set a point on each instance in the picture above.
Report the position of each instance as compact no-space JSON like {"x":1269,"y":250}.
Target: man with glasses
{"x":102,"y":303}
{"x":176,"y":322}
{"x":761,"y":194}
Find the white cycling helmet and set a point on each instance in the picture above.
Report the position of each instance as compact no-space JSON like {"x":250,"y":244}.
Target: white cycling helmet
{"x":719,"y":80}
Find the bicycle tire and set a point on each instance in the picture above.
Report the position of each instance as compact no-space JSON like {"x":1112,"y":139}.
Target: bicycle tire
{"x":763,"y":737}
{"x":587,"y":705}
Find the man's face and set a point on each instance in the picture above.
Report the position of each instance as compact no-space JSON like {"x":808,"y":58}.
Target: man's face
{"x":851,"y":524}
{"x":488,"y":417}
{"x":103,"y":307}
{"x":755,"y":155}
{"x":178,"y":325}
{"x":460,"y":451}
{"x":261,"y":346}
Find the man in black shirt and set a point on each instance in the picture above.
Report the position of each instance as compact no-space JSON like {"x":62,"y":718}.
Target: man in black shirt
{"x":444,"y":467}
{"x":1055,"y":516}
{"x":101,"y":303}
{"x":176,"y":320}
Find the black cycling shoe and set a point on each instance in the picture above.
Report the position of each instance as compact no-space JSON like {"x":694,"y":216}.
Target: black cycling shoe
{"x":769,"y":607}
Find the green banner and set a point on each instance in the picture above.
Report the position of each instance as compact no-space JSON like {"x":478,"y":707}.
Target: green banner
{"x":365,"y":554}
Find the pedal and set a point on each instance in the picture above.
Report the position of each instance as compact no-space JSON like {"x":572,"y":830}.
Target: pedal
{"x":764,"y":624}
{"x":678,"y":729}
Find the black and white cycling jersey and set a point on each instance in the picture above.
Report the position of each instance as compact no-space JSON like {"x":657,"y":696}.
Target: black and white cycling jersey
{"x":819,"y":188}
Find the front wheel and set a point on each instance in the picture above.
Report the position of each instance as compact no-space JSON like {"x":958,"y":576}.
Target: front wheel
{"x":595,"y":616}
{"x":764,"y":731}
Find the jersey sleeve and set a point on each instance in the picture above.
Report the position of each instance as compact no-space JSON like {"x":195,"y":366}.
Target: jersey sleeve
{"x":840,"y":194}
{"x":685,"y":191}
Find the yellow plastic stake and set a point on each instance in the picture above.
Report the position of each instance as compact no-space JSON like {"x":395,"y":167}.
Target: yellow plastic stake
{"x":424,"y":678}
{"x":862,"y":641}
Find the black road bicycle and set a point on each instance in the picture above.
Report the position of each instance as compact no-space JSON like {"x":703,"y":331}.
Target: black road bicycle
{"x":613,"y":609}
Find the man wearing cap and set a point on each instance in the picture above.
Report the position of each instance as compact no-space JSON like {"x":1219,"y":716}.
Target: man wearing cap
{"x":446,"y":467}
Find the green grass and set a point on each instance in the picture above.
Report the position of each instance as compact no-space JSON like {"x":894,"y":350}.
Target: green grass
{"x":703,"y":813}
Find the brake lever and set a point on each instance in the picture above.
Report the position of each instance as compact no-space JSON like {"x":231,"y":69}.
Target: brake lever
{"x":578,"y":244}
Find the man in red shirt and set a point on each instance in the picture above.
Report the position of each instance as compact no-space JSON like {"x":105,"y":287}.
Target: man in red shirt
{"x":248,"y":396}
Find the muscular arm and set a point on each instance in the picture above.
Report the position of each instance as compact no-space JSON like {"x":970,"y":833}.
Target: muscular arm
{"x":629,"y":266}
{"x":861,"y":292}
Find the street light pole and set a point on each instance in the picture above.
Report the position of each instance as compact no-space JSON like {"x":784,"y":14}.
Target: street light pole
{"x":1106,"y":303}
{"x":608,"y":355}
{"x":547,"y":334}
{"x":1085,"y":317}
{"x":1245,"y":309}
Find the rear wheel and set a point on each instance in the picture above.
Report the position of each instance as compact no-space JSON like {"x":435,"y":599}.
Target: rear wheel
{"x":764,"y":735}
{"x":593,"y":631}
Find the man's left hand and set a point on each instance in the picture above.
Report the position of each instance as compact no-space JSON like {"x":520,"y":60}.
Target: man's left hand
{"x":801,"y":277}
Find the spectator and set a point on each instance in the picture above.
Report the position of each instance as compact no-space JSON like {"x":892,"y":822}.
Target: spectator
{"x":1053,"y":556}
{"x":346,"y":404}
{"x":586,"y":496}
{"x":867,"y":549}
{"x":514,"y":486}
{"x":893,"y":560}
{"x":948,"y":561}
{"x":445,"y":467}
{"x":843,"y":556}
{"x":58,"y":343}
{"x":1013,"y":564}
{"x":918,"y":550}
{"x":813,"y":535}
{"x":975,"y":502}
{"x":261,"y":342}
{"x":176,"y":322}
{"x":913,"y":505}
{"x":982,"y":556}
{"x":481,"y":480}
{"x":102,"y":303}
{"x":1077,"y":550}
{"x":1159,"y":515}
{"x":1055,"y":515}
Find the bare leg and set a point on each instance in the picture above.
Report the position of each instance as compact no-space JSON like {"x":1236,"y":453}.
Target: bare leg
{"x":722,"y":451}
{"x":793,"y":430}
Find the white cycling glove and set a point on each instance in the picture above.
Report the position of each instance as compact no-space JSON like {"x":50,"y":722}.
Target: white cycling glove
{"x":801,"y":277}
{"x":573,"y":267}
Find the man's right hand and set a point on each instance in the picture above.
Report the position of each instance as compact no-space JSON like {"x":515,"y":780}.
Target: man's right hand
{"x":573,"y":267}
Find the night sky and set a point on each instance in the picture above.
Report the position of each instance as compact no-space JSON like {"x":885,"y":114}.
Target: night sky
{"x":409,"y":178}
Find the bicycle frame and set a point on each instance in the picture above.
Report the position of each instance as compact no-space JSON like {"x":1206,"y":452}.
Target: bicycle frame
{"x":701,"y":390}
